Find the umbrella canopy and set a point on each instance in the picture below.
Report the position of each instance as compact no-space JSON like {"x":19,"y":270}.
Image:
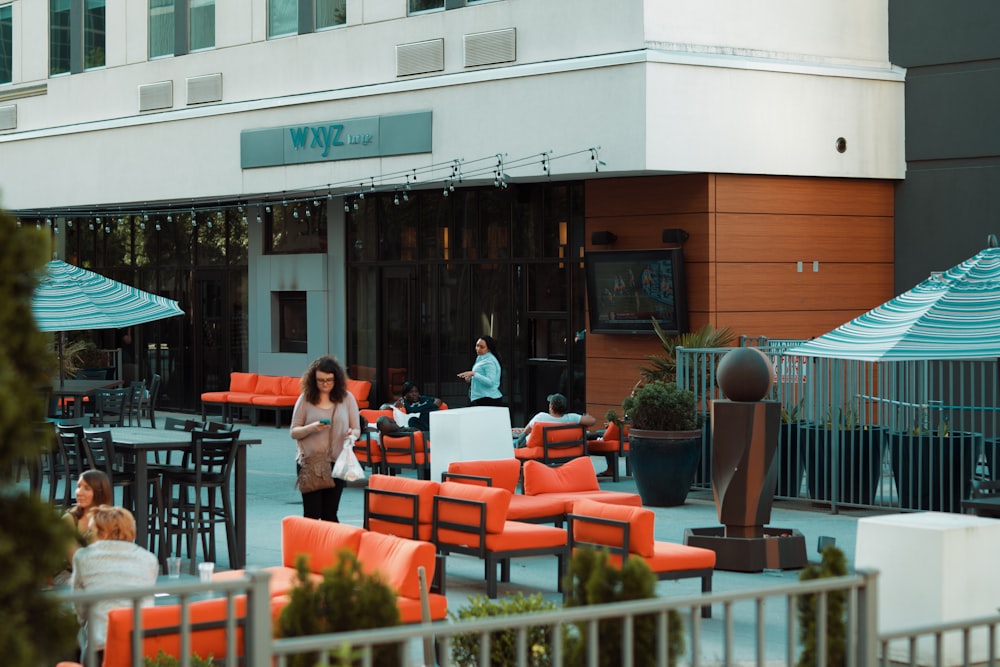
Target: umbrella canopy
{"x":69,"y":298}
{"x":952,"y":315}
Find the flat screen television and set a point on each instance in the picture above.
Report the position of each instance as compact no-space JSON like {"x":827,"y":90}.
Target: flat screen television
{"x":627,"y":288}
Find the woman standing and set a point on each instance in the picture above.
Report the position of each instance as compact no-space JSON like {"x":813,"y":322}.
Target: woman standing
{"x":93,"y":489}
{"x":484,"y":378}
{"x":324,"y":416}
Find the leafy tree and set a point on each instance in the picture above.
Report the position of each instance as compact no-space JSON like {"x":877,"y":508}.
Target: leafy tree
{"x":35,"y":628}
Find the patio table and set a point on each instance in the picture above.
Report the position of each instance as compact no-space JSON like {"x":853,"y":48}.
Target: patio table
{"x":142,"y":441}
{"x":77,"y":389}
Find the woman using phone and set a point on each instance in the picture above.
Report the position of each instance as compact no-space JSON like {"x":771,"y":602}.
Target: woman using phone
{"x":325,"y":415}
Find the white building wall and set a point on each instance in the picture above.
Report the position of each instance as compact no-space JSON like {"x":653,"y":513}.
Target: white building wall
{"x":662,"y":86}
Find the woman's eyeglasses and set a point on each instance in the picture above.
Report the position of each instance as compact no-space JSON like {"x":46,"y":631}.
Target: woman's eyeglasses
{"x":324,"y":380}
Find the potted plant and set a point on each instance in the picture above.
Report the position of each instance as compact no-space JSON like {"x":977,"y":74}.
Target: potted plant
{"x":665,"y":440}
{"x":934,"y":468}
{"x":787,"y":457}
{"x":855,"y":447}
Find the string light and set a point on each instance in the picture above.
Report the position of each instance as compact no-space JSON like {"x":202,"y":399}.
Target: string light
{"x":498,"y":166}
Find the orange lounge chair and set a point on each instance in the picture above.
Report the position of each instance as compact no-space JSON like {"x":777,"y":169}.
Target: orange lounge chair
{"x":628,"y":532}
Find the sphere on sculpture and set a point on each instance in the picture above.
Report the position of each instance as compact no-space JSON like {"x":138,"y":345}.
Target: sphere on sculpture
{"x":745,"y":374}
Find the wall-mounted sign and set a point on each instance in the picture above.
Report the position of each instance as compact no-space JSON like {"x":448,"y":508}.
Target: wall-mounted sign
{"x":345,"y":139}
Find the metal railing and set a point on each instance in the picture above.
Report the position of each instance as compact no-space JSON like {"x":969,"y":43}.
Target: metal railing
{"x":903,"y":435}
{"x":758,"y":627}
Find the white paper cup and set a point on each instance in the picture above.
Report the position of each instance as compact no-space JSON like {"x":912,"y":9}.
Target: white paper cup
{"x":205,"y":571}
{"x":174,"y":567}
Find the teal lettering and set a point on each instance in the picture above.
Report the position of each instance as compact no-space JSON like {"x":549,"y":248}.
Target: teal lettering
{"x":298,"y":136}
{"x":319,"y":138}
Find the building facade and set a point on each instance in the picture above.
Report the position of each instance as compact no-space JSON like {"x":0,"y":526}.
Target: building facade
{"x":387,"y":180}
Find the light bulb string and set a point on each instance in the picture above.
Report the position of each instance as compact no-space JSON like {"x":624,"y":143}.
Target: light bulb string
{"x":495,"y":166}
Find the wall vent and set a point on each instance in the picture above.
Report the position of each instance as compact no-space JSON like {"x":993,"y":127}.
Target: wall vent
{"x":420,"y":57}
{"x":8,"y":117}
{"x":202,"y":89}
{"x":154,"y":96}
{"x":488,"y":48}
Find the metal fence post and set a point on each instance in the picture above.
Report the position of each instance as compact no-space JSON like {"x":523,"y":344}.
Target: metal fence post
{"x":868,"y":618}
{"x":258,"y":631}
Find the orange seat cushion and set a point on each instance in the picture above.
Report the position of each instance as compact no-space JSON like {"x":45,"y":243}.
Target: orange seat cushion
{"x":409,"y":608}
{"x":397,"y":449}
{"x":360,"y":389}
{"x":319,"y":540}
{"x":210,"y":397}
{"x":505,"y":473}
{"x":558,"y":435}
{"x":641,"y":523}
{"x":577,"y":475}
{"x":118,"y":648}
{"x":396,"y":559}
{"x":606,"y":497}
{"x":273,"y":401}
{"x":291,"y":386}
{"x":671,"y":557}
{"x":527,"y":508}
{"x":520,"y":535}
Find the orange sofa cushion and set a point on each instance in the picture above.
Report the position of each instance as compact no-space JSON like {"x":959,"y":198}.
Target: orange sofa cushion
{"x":118,"y":648}
{"x":558,"y":435}
{"x":397,"y":560}
{"x":268,"y":385}
{"x":360,"y":389}
{"x":291,"y":386}
{"x":497,"y":501}
{"x":505,"y":473}
{"x":243,"y":382}
{"x":319,"y":540}
{"x":641,"y":523}
{"x":670,"y":557}
{"x":577,"y":475}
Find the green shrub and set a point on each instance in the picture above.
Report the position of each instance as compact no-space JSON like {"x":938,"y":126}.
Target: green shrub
{"x":503,"y":644}
{"x":164,"y":660}
{"x":833,"y":564}
{"x":593,"y":579}
{"x":36,"y":629}
{"x":347,"y":599}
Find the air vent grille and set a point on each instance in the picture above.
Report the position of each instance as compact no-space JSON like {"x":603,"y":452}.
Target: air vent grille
{"x":8,"y":117}
{"x":202,"y":89}
{"x":420,"y":57}
{"x":154,"y":96}
{"x":489,"y":48}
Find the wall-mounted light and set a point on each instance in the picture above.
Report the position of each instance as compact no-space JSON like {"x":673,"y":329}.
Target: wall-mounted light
{"x":675,"y":236}
{"x":603,"y":238}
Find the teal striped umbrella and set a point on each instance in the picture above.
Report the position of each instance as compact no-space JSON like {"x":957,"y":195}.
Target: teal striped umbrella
{"x":69,"y":298}
{"x":951,"y":315}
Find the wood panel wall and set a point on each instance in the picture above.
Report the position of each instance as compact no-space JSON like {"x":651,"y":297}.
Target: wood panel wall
{"x":748,"y":236}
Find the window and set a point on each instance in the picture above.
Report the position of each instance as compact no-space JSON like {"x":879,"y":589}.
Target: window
{"x":76,"y":35}
{"x":6,"y":44}
{"x":330,"y":13}
{"x":295,"y":228}
{"x":201,"y":24}
{"x":177,"y":27}
{"x":283,"y":17}
{"x":417,"y":6}
{"x":93,"y":34}
{"x":292,"y":322}
{"x":161,"y":28}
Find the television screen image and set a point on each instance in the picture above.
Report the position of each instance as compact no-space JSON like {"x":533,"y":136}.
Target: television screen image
{"x":626,"y":289}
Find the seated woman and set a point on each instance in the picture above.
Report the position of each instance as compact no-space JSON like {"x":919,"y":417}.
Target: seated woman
{"x":417,"y":407}
{"x":113,"y":561}
{"x":93,"y":489}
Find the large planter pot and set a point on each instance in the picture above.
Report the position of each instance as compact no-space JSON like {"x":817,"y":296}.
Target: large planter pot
{"x":663,"y":464}
{"x":788,"y":462}
{"x":859,"y":462}
{"x":934,"y":471}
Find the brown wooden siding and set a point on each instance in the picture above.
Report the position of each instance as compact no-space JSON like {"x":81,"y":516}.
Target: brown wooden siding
{"x":747,"y":235}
